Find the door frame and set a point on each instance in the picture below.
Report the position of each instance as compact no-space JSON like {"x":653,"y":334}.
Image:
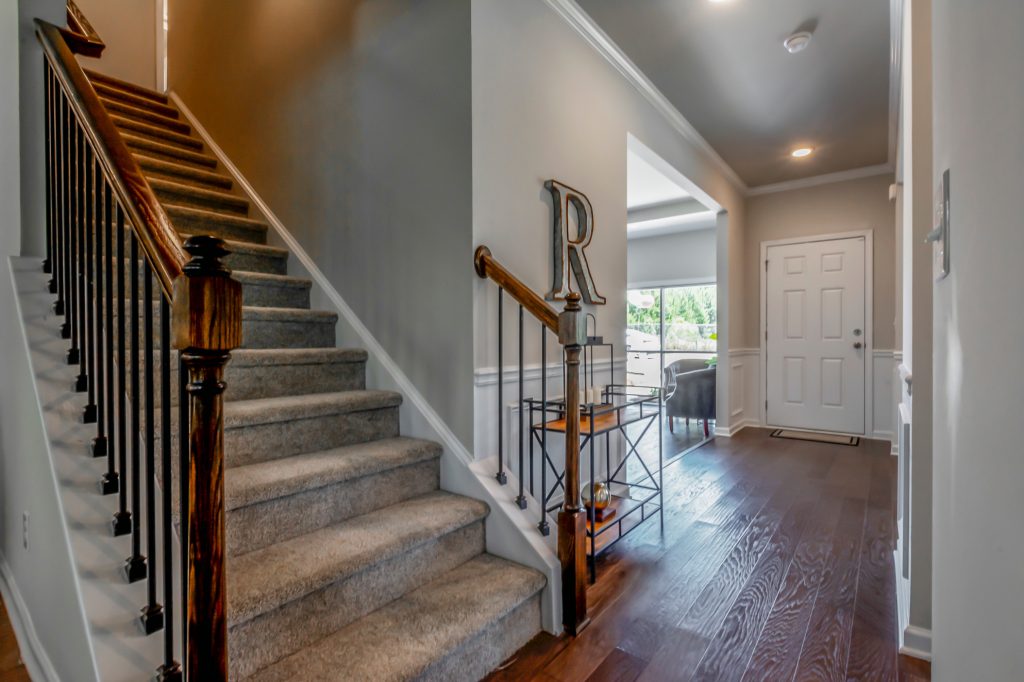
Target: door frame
{"x":869,"y":332}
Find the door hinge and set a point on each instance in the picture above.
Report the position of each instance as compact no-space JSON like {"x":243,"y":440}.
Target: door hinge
{"x":766,"y":265}
{"x":765,"y":334}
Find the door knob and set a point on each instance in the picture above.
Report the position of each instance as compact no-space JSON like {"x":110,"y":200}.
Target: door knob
{"x":858,"y":345}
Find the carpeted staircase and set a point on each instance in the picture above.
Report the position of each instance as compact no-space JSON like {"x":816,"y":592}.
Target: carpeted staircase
{"x":346,"y":560}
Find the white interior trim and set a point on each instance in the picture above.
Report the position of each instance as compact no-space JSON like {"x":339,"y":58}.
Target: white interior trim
{"x":677,"y":282}
{"x":33,"y":654}
{"x":895,"y":74}
{"x":917,"y":643}
{"x":869,"y":332}
{"x":582,"y":22}
{"x":161,"y":44}
{"x":826,"y":179}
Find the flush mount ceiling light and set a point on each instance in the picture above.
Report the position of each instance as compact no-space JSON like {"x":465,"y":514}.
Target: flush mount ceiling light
{"x":801,"y":152}
{"x":797,"y":42}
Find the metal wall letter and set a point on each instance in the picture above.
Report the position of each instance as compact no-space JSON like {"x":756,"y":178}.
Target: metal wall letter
{"x":569,"y":253}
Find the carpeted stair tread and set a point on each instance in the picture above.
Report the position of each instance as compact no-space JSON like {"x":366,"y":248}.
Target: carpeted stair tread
{"x":190,"y":195}
{"x":228,"y":226}
{"x":408,"y":638}
{"x":141,"y":115}
{"x":234,"y":246}
{"x":261,"y":357}
{"x":267,"y":279}
{"x":168,"y":151}
{"x":114,"y":82}
{"x":182,"y":172}
{"x":254,"y":483}
{"x":267,"y":578}
{"x":243,"y":413}
{"x":159,"y":133}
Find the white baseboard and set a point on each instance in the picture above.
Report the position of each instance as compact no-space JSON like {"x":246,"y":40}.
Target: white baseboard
{"x":917,"y":643}
{"x":33,"y":655}
{"x":724,"y":432}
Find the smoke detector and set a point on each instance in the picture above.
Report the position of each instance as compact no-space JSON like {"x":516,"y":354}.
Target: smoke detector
{"x":797,"y":42}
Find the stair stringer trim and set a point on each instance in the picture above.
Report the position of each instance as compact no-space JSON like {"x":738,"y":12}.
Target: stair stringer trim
{"x":509,"y":533}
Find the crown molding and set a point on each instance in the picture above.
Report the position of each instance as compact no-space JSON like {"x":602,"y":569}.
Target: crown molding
{"x":826,"y":179}
{"x":578,"y":19}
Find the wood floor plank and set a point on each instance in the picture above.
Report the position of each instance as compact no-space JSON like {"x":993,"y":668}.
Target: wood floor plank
{"x":618,"y":666}
{"x":833,"y":613}
{"x":873,"y":650}
{"x":730,"y":648}
{"x":826,"y":648}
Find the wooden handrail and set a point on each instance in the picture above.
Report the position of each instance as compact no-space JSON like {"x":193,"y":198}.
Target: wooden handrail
{"x":570,"y":327}
{"x":488,"y":268}
{"x":156,"y":234}
{"x":80,"y":35}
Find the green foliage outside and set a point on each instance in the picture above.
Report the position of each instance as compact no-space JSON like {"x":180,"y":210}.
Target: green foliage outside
{"x":690,"y":317}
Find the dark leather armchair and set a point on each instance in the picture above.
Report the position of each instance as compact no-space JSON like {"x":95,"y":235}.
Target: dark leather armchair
{"x":692,"y":398}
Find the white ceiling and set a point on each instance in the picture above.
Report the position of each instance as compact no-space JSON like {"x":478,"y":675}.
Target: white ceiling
{"x":657,"y":205}
{"x":722,"y":65}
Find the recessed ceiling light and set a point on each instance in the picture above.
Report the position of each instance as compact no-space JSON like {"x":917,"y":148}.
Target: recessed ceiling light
{"x":801,"y":152}
{"x":797,"y":42}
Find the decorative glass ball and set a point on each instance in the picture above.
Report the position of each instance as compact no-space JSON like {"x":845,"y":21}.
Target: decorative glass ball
{"x":602,"y":496}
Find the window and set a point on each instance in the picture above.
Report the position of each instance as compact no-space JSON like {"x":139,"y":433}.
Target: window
{"x":665,"y":324}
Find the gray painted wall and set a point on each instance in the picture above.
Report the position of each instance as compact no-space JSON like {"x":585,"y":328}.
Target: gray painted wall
{"x":42,"y":575}
{"x":353,"y":121}
{"x":978,"y":594}
{"x":680,"y":258}
{"x":850,"y":206}
{"x":547,"y":105}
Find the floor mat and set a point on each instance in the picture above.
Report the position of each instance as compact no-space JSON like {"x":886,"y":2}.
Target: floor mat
{"x":834,"y":438}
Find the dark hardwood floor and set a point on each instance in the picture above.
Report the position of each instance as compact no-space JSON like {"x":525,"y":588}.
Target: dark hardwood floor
{"x":775,"y":564}
{"x":11,"y":668}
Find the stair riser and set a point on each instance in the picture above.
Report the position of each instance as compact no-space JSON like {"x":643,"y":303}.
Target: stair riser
{"x":306,"y":334}
{"x":146,"y":116}
{"x":255,"y":333}
{"x":249,"y":382}
{"x":263,"y":442}
{"x":285,"y":630}
{"x":235,"y":206}
{"x":189,"y":223}
{"x":489,"y":649}
{"x":259,"y":525}
{"x":158,"y":133}
{"x":257,"y":262}
{"x":171,"y":153}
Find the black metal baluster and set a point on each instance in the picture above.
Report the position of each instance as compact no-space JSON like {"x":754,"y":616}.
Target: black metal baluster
{"x":110,"y":483}
{"x":123,"y":517}
{"x":543,"y":525}
{"x":135,"y":565}
{"x":502,"y":478}
{"x":99,"y":444}
{"x":48,"y":145}
{"x":81,"y":307}
{"x":60,"y":307}
{"x":153,"y":613}
{"x":72,"y":301}
{"x":521,"y":499}
{"x":170,"y":670}
{"x":89,"y":340}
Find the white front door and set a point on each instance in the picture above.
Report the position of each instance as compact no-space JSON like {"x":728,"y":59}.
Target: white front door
{"x":816,"y":345}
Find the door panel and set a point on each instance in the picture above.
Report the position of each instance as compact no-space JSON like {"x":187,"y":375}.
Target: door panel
{"x":815,"y":314}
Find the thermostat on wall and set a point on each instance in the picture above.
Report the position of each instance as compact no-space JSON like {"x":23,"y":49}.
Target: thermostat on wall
{"x":939,"y":236}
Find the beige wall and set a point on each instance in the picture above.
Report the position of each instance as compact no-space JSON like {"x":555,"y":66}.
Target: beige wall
{"x":853,"y":205}
{"x":128,"y":27}
{"x":353,"y":121}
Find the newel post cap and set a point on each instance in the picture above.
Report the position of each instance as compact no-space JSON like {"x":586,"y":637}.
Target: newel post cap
{"x":206,"y":309}
{"x":572,"y":326}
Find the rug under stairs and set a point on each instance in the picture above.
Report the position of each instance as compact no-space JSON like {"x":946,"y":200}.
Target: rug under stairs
{"x":346,"y":561}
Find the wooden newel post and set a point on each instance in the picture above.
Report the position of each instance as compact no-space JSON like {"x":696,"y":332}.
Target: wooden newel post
{"x":572,"y":519}
{"x":206,"y":326}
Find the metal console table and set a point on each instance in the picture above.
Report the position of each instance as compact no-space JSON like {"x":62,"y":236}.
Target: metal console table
{"x":632,"y":502}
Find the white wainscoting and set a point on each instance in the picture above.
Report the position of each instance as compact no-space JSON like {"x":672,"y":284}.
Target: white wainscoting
{"x":747,"y":393}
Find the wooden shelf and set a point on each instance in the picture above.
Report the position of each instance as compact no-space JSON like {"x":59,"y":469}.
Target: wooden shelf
{"x":612,"y":419}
